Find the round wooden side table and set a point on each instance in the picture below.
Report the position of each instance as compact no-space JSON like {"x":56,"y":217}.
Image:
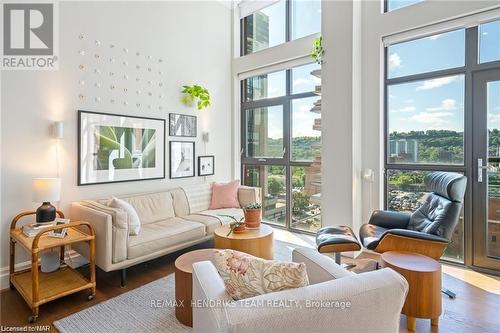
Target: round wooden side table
{"x":184,"y":283}
{"x":257,"y":242}
{"x":424,"y":278}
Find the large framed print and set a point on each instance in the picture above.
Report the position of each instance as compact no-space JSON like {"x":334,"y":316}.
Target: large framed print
{"x":181,"y":159}
{"x":118,"y":148}
{"x":182,"y":125}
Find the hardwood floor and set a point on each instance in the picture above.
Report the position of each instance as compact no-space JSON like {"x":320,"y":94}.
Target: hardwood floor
{"x":476,"y":308}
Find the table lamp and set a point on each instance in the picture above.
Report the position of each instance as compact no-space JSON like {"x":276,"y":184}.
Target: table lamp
{"x":46,"y":190}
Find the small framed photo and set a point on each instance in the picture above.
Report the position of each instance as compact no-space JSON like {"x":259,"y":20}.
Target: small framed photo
{"x":182,"y":125}
{"x":206,"y":165}
{"x":182,"y":159}
{"x":60,"y":233}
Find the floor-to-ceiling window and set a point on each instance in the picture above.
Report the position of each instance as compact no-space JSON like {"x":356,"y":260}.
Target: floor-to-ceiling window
{"x":430,"y":119}
{"x":280,"y":118}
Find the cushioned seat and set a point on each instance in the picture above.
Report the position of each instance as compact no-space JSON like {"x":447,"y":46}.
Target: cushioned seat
{"x":210,"y":222}
{"x":336,"y":239}
{"x":370,"y":235}
{"x":163,"y":234}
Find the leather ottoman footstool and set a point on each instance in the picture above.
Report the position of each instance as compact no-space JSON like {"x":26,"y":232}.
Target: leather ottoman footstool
{"x":336,"y":239}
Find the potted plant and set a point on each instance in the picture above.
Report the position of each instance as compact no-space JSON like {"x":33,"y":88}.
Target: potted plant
{"x":253,"y":215}
{"x":236,"y":226}
{"x":193,"y":92}
{"x":317,"y":50}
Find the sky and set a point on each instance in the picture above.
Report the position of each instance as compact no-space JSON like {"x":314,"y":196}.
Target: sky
{"x":437,"y":103}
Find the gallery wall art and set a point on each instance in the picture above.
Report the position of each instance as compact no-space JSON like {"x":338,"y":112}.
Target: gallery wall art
{"x":119,"y":148}
{"x":182,"y":125}
{"x":206,"y":165}
{"x":182,"y":156}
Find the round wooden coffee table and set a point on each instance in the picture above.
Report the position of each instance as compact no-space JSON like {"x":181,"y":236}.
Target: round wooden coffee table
{"x":257,"y":242}
{"x":424,"y":278}
{"x":184,"y":283}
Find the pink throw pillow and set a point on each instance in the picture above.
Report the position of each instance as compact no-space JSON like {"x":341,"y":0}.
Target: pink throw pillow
{"x":225,"y":195}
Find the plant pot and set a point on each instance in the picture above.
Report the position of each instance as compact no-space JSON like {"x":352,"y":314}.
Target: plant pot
{"x":253,"y":217}
{"x":239,"y":229}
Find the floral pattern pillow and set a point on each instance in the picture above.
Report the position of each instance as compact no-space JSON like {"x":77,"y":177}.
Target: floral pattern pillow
{"x":247,"y":276}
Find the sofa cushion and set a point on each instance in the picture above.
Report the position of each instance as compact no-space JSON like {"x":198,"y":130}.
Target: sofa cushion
{"x":198,"y":196}
{"x":181,"y":204}
{"x":210,"y":222}
{"x":163,"y":234}
{"x":247,"y":276}
{"x":152,"y":207}
{"x":225,"y":195}
{"x":221,"y":214}
{"x":134,"y":223}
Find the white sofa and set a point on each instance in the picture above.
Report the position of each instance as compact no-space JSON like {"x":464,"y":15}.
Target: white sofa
{"x":376,"y":299}
{"x":170,"y":220}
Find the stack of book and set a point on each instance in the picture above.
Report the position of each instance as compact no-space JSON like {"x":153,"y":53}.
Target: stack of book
{"x":31,"y":230}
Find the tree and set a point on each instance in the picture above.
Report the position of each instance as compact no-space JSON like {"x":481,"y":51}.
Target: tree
{"x":300,"y":201}
{"x":274,"y":186}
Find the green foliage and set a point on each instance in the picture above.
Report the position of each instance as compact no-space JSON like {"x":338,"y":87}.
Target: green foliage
{"x":300,"y":202}
{"x":254,"y":205}
{"x":110,"y":139}
{"x":317,"y":50}
{"x":275,"y":185}
{"x":194,"y":92}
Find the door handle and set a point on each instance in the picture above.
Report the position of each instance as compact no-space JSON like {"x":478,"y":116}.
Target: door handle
{"x":480,"y":168}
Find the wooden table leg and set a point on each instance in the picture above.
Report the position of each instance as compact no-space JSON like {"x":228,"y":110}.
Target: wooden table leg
{"x":435,"y":321}
{"x":35,"y":286}
{"x":92,"y":267}
{"x":11,"y":261}
{"x":411,"y":323}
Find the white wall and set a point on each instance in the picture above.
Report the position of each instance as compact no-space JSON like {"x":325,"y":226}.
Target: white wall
{"x":375,"y":26}
{"x":192,"y":38}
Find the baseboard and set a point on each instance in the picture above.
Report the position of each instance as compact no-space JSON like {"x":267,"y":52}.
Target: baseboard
{"x":73,"y":259}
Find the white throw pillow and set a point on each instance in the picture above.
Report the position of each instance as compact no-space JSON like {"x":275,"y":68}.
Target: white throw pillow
{"x":134,"y":223}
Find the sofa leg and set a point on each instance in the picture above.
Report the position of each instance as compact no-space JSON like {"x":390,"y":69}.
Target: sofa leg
{"x":123,"y":278}
{"x":449,"y":293}
{"x":338,"y":258}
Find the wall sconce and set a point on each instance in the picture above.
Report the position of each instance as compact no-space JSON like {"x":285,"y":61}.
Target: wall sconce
{"x":58,"y":130}
{"x":205,"y":136}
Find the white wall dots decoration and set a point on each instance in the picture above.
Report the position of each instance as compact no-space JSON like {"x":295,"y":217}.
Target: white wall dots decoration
{"x":111,"y":46}
{"x":150,"y":93}
{"x":125,"y":90}
{"x":98,"y":99}
{"x":112,"y":87}
{"x":150,"y":57}
{"x":150,"y":107}
{"x":97,"y":43}
{"x":138,"y":105}
{"x":137,"y":66}
{"x":137,"y":79}
{"x":125,"y":63}
{"x":81,"y":82}
{"x":160,"y":73}
{"x":80,"y":96}
{"x":160,"y":60}
{"x":112,"y":100}
{"x":111,"y":74}
{"x":81,"y":67}
{"x":111,"y":60}
{"x":149,"y":69}
{"x":160,"y":107}
{"x":125,"y":77}
{"x":150,"y":83}
{"x":97,"y":85}
{"x":125,"y":103}
{"x":138,"y":53}
{"x":81,"y":36}
{"x":160,"y":84}
{"x":97,"y":71}
{"x":138,"y":92}
{"x":96,"y":56}
{"x":160,"y":96}
{"x":81,"y":52}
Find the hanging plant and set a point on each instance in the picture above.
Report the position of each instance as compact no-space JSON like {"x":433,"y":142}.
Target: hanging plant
{"x":194,"y":92}
{"x":317,"y":50}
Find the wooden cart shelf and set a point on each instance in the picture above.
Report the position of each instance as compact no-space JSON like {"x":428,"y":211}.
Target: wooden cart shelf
{"x":37,"y":287}
{"x":53,"y":285}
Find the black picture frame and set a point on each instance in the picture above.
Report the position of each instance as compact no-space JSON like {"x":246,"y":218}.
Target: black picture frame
{"x":200,"y":165}
{"x":163,"y":141}
{"x":171,"y":147}
{"x":186,"y":118}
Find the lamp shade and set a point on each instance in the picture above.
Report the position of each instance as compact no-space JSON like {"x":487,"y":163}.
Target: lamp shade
{"x":46,"y":189}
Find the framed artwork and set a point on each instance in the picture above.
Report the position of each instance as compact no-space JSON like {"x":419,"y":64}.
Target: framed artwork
{"x":181,"y":159}
{"x":182,"y":125}
{"x":118,"y":148}
{"x":206,"y":165}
